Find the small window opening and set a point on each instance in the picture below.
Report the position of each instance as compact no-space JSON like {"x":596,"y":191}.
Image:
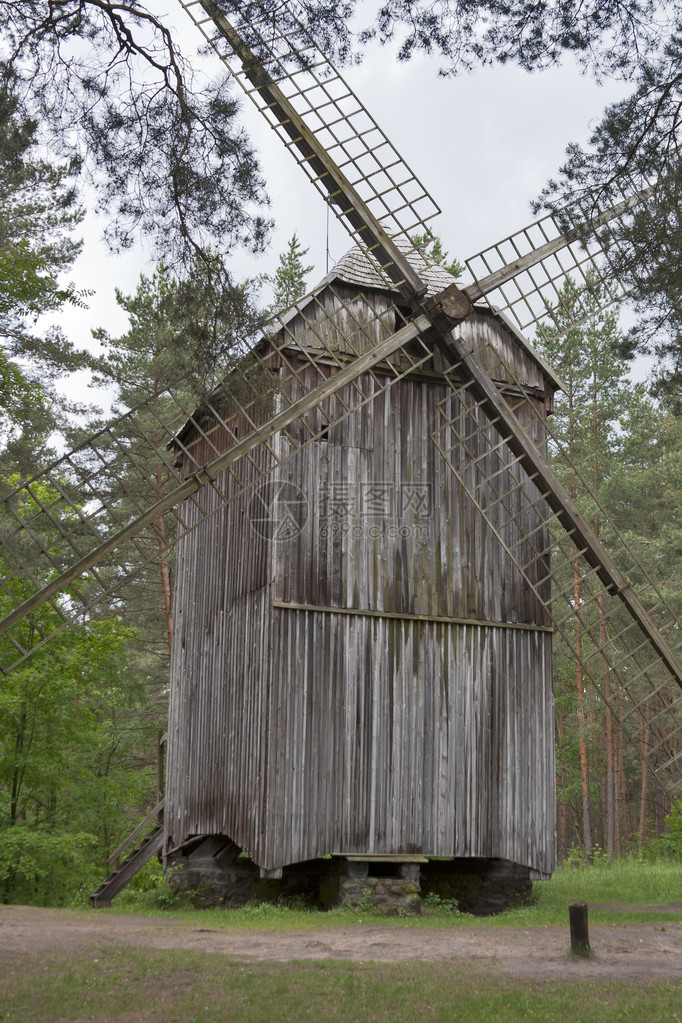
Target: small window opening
{"x":383,"y":869}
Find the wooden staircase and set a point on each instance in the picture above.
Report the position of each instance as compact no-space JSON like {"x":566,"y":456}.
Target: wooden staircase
{"x":125,"y":869}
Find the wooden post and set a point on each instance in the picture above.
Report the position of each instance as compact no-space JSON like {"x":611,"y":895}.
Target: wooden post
{"x":580,"y":941}
{"x":161,"y":741}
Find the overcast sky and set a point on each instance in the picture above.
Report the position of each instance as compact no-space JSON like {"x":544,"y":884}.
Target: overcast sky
{"x":483,"y":144}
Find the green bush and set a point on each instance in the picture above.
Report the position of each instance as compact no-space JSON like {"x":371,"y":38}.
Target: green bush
{"x":44,"y":868}
{"x":669,"y":845}
{"x":433,"y":903}
{"x":149,"y":889}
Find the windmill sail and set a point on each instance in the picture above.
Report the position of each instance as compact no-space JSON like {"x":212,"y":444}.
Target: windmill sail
{"x":626,"y":645}
{"x":321,"y":121}
{"x":99,"y":546}
{"x":65,"y":553}
{"x":75,"y":534}
{"x":524,"y":274}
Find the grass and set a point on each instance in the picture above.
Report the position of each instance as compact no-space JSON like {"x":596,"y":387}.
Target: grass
{"x":119,"y":985}
{"x":106,"y":983}
{"x":627,"y":883}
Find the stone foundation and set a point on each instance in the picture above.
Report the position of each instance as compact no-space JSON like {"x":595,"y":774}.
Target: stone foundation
{"x":389,"y":886}
{"x":482,"y":887}
{"x":389,"y":896}
{"x":215,"y":874}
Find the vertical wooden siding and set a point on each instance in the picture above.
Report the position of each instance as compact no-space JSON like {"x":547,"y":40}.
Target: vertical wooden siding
{"x":396,"y":736}
{"x":309,"y":715}
{"x":217,"y":731}
{"x":444,"y":561}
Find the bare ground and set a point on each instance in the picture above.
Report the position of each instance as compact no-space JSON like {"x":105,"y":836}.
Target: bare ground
{"x":621,"y":952}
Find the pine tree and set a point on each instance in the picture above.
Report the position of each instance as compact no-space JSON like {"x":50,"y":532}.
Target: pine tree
{"x":182,"y":335}
{"x":633,"y":151}
{"x":289,"y":280}
{"x":431,"y":247}
{"x":644,"y":493}
{"x":627,"y":451}
{"x":38,"y":213}
{"x":586,"y":425}
{"x":166,"y":156}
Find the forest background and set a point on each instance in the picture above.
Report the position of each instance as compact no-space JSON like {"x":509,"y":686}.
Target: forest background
{"x":81,"y":720}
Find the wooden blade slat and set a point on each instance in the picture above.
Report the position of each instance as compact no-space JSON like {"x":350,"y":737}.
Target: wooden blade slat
{"x":376,"y":194}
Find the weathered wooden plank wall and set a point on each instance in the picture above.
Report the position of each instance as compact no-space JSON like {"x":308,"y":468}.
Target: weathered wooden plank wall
{"x":381,"y":681}
{"x":217,"y":742}
{"x":397,"y":736}
{"x":361,"y":548}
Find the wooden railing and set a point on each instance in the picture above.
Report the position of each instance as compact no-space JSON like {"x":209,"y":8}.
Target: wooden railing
{"x":133,"y":837}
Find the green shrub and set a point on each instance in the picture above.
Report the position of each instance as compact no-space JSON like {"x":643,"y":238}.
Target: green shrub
{"x":43,"y":868}
{"x":669,"y":845}
{"x":433,"y":903}
{"x":149,"y":889}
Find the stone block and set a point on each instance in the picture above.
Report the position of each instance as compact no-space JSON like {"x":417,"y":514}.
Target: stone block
{"x":410,"y":872}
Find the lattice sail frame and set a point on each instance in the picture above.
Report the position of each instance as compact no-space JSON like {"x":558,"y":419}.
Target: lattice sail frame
{"x":619,"y":656}
{"x":63,"y":557}
{"x":321,"y":121}
{"x":525,"y":274}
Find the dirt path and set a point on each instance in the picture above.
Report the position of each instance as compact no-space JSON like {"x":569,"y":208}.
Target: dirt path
{"x":622,"y":952}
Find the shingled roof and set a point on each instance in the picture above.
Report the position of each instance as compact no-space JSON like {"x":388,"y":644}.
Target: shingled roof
{"x":361,"y":268}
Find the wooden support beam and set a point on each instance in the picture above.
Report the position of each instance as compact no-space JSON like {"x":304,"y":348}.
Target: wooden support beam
{"x":223,"y":461}
{"x":473,"y":373}
{"x":339,"y":189}
{"x":406,"y":616}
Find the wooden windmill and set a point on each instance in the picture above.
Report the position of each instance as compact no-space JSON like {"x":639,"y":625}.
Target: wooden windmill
{"x":378,"y":702}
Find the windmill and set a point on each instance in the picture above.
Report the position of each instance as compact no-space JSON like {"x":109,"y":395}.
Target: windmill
{"x":279,"y":398}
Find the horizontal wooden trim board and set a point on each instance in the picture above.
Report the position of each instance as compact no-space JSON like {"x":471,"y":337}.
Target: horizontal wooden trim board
{"x":383,"y":857}
{"x":420,"y":373}
{"x":284,"y":605}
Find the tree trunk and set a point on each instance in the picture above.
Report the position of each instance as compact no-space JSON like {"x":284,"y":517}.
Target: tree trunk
{"x":18,"y":771}
{"x":610,"y":746}
{"x":618,"y":785}
{"x":626,"y":815}
{"x":580,"y":709}
{"x":562,"y":807}
{"x":164,"y":567}
{"x":644,"y":791}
